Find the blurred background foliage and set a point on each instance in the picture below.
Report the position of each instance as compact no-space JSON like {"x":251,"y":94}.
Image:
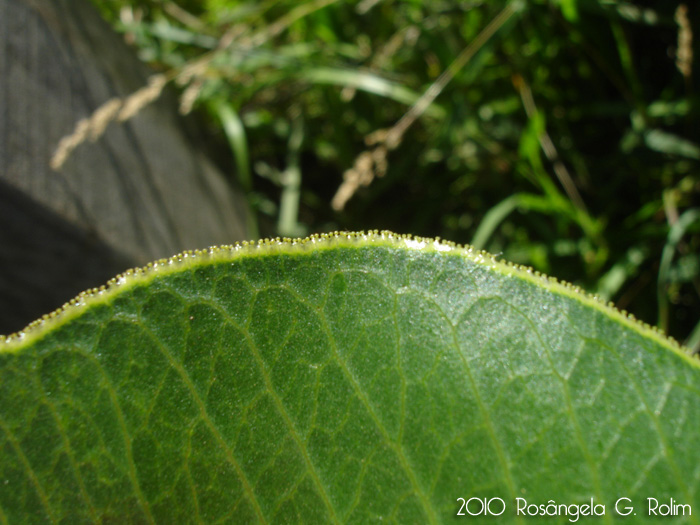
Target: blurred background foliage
{"x":560,"y":134}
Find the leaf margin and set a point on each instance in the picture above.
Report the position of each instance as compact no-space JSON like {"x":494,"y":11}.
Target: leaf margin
{"x":191,"y":259}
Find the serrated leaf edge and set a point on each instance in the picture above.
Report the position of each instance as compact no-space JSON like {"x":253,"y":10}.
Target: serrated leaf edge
{"x":323,"y":241}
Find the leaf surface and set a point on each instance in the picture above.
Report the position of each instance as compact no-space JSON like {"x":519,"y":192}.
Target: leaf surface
{"x":343,"y":378}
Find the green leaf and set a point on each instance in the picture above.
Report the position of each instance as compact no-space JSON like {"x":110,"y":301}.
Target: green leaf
{"x":343,"y":378}
{"x":369,"y":82}
{"x":671,"y":144}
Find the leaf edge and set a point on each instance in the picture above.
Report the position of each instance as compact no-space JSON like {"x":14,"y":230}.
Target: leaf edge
{"x":272,"y":246}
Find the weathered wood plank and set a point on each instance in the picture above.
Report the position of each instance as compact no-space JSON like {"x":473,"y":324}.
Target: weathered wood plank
{"x":143,"y":191}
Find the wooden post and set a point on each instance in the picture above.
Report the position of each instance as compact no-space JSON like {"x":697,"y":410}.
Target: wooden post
{"x":144,"y":190}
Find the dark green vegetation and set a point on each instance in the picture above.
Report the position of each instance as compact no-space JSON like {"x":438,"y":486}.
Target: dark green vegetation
{"x":345,"y":379}
{"x":565,"y":138}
